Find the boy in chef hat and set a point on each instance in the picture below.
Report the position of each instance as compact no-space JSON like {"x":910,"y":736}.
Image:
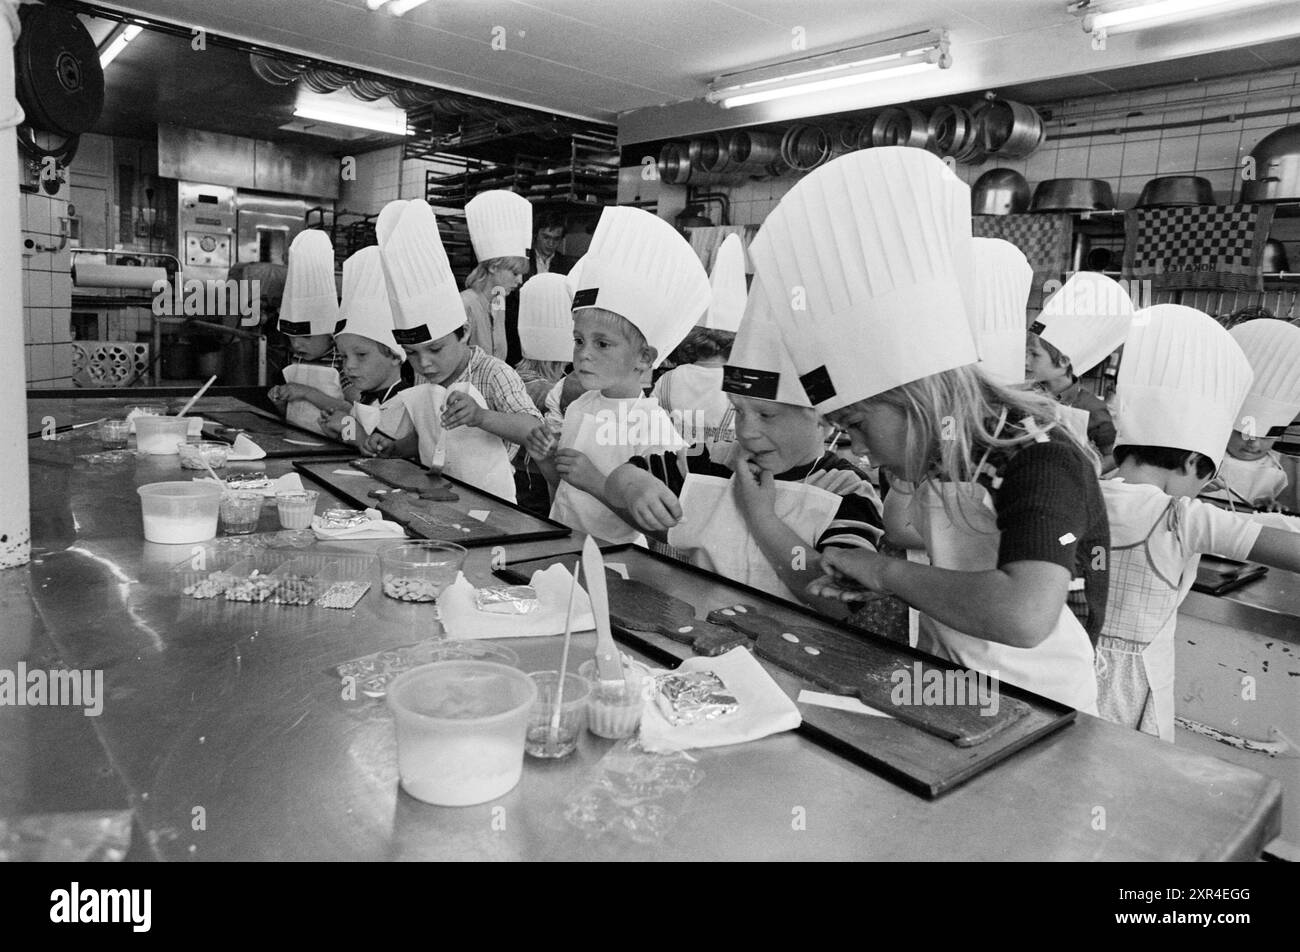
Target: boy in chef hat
{"x":762,"y":515}
{"x":372,"y":358}
{"x":641,"y":288}
{"x":500,"y":229}
{"x":1081,"y":325}
{"x":1251,"y":472}
{"x":692,"y":392}
{"x":1181,"y":384}
{"x":469,"y":407}
{"x":866,"y":264}
{"x":309,"y":312}
{"x":546,"y":340}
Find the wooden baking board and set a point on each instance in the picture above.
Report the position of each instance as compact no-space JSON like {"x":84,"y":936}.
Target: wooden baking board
{"x":280,"y":438}
{"x":916,"y":760}
{"x":504,"y":523}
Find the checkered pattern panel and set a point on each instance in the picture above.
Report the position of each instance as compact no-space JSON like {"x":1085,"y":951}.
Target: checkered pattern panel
{"x":1197,"y":246}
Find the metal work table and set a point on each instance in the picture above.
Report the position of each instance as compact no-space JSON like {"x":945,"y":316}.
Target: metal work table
{"x":230,"y":708}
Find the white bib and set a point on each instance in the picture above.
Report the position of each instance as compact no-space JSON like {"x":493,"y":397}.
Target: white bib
{"x":304,"y":413}
{"x":719,"y":540}
{"x":1061,"y":666}
{"x":1257,"y":482}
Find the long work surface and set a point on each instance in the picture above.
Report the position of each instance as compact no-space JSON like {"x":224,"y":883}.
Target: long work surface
{"x":235,"y":713}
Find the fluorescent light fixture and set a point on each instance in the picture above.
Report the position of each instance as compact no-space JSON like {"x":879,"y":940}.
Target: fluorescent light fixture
{"x":375,"y":4}
{"x":121,"y":35}
{"x":398,"y":7}
{"x":1125,"y":19}
{"x":342,"y":108}
{"x":881,"y":59}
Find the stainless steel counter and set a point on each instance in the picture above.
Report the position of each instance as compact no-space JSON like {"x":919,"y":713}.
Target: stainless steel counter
{"x":229,"y":739}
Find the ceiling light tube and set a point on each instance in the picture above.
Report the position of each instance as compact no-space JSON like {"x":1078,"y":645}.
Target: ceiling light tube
{"x":883,"y":59}
{"x":342,"y":109}
{"x":117,"y":42}
{"x":375,"y":4}
{"x":1162,"y":12}
{"x":398,"y":7}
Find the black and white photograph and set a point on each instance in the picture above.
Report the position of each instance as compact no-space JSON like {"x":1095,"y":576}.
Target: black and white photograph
{"x":637,"y":431}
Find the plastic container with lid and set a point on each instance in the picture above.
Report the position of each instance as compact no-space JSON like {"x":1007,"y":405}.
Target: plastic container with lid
{"x":460,"y":730}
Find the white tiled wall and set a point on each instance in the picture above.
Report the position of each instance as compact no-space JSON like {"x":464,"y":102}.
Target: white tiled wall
{"x":1126,"y":159}
{"x":47,"y":292}
{"x":382,"y":177}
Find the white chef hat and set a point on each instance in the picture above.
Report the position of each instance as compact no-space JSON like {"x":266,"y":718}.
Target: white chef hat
{"x":546,"y":317}
{"x":759,"y":365}
{"x":727,"y":282}
{"x":1181,"y":382}
{"x":421,"y":288}
{"x":365,"y":310}
{"x":865,"y":263}
{"x":500,"y":224}
{"x":641,"y":269}
{"x":1273,"y":349}
{"x":310,"y":303}
{"x":1086,"y":320}
{"x":1003,"y":278}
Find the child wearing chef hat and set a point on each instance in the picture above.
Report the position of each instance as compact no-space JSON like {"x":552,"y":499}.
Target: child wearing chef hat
{"x":1251,"y":471}
{"x":639,"y":290}
{"x":867,"y":265}
{"x":762,"y":515}
{"x":546,"y":341}
{"x":372,"y":358}
{"x":1181,"y":384}
{"x":692,"y":392}
{"x":1081,"y":325}
{"x":469,"y":407}
{"x":309,"y":313}
{"x":500,"y":229}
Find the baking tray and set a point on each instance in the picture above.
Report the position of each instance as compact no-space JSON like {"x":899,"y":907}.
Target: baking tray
{"x":273,"y":434}
{"x":505,"y":523}
{"x":920,"y":762}
{"x":1218,"y":576}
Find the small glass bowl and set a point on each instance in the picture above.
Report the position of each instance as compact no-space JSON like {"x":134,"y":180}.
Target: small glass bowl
{"x":193,"y":454}
{"x":420,"y":571}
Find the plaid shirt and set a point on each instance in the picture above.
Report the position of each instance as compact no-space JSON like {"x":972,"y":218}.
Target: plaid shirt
{"x":501,"y":387}
{"x":332,"y":358}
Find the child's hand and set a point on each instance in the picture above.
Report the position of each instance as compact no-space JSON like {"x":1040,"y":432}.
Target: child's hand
{"x":541,"y":441}
{"x":855,"y":566}
{"x":332,"y":423}
{"x":755,"y":488}
{"x":576,"y":469}
{"x":377,"y":444}
{"x":653,"y":506}
{"x":289,"y":391}
{"x":841,"y":482}
{"x":461,"y":410}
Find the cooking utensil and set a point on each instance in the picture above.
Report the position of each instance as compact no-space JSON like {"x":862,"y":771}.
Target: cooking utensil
{"x":901,"y":126}
{"x":1000,"y":192}
{"x":1072,"y":195}
{"x":609,"y":666}
{"x":950,"y":128}
{"x":1277,"y":168}
{"x":1172,"y":190}
{"x":1009,"y":129}
{"x":564,"y":654}
{"x":195,"y":399}
{"x":674,"y":164}
{"x":804,"y":147}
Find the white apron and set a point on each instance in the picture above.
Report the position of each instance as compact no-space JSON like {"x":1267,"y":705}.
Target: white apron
{"x":304,"y":413}
{"x":1256,"y":482}
{"x":716,"y":534}
{"x":367,"y":417}
{"x":1135,"y":653}
{"x":466,"y":453}
{"x":1061,"y":666}
{"x":582,"y":511}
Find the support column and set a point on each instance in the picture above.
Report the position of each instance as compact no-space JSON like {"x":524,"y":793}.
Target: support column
{"x":15,"y":516}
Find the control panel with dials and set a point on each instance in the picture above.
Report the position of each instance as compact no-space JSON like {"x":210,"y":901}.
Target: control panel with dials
{"x":206,"y":221}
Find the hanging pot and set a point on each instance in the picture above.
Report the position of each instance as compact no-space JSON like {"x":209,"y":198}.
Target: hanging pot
{"x":999,"y":192}
{"x":1072,"y":195}
{"x":674,"y":163}
{"x":752,"y":151}
{"x":950,"y":128}
{"x":1277,"y":168}
{"x":901,"y":126}
{"x":805,"y":147}
{"x":1010,"y":130}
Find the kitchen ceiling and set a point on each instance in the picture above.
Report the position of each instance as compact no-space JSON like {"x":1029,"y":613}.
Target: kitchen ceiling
{"x":603,"y":59}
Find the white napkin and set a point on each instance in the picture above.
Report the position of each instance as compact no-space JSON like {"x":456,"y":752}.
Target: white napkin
{"x":288,"y":483}
{"x":195,"y":426}
{"x":376,"y":528}
{"x":462,"y":619}
{"x":763,"y":708}
{"x":245,"y":449}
